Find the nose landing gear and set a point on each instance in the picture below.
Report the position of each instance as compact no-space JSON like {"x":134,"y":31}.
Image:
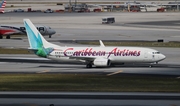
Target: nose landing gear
{"x":151,"y":65}
{"x":8,"y":37}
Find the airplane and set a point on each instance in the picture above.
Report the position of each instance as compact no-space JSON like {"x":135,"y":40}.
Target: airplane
{"x":100,"y":56}
{"x":7,"y":30}
{"x":2,"y":6}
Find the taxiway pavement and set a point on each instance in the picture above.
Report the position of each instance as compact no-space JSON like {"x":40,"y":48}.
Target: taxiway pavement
{"x":88,"y":26}
{"x":88,"y":99}
{"x":33,"y":64}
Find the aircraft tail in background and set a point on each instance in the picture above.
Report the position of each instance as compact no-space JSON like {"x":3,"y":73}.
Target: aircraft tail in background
{"x":2,"y":6}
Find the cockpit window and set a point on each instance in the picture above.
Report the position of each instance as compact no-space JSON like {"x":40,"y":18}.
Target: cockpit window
{"x":156,"y":53}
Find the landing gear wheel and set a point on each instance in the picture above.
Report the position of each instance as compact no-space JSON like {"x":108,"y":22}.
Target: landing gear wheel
{"x":8,"y":37}
{"x":1,"y":37}
{"x":89,"y":66}
{"x":49,"y":36}
{"x":51,"y":105}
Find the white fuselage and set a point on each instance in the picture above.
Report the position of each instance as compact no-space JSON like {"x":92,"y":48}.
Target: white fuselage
{"x":13,"y":29}
{"x":101,"y":56}
{"x":114,"y":54}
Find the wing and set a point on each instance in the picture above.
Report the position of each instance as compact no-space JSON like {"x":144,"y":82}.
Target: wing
{"x":83,"y":58}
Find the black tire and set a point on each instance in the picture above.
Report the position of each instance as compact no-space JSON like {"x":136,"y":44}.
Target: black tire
{"x":1,"y":37}
{"x":49,"y":36}
{"x":109,"y":63}
{"x":89,"y":66}
{"x":8,"y":37}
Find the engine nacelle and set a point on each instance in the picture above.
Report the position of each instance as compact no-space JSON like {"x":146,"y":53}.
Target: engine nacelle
{"x":101,"y":62}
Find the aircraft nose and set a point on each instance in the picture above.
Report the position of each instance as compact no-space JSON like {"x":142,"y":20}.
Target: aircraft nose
{"x":53,"y":32}
{"x":163,"y":57}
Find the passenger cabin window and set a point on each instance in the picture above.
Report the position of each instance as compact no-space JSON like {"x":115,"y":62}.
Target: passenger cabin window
{"x":156,"y":53}
{"x":41,"y":28}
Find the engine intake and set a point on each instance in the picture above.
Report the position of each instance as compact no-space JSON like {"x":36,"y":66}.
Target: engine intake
{"x":101,"y":62}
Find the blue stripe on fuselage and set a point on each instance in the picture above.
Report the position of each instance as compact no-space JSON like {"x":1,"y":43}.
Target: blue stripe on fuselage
{"x":15,"y":28}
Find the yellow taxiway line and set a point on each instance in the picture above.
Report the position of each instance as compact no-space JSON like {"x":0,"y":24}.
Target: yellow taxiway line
{"x":43,"y":71}
{"x":114,"y":73}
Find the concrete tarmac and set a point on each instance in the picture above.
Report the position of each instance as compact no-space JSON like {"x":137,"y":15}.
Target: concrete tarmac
{"x":87,"y":26}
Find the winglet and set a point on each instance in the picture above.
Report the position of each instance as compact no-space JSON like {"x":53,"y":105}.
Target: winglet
{"x":101,"y":43}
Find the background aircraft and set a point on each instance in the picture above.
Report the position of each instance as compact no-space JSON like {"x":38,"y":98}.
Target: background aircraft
{"x":98,"y":56}
{"x":8,"y":30}
{"x":2,"y":6}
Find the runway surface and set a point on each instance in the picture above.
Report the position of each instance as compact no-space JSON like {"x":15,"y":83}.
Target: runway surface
{"x":88,"y":99}
{"x":34,"y":64}
{"x":161,"y":70}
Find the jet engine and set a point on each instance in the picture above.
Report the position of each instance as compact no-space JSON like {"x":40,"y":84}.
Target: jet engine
{"x":101,"y":62}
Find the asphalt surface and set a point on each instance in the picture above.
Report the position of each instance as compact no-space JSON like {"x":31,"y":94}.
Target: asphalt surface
{"x":33,"y":64}
{"x":134,"y":69}
{"x":88,"y":99}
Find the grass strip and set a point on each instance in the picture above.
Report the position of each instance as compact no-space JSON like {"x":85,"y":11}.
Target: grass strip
{"x":128,"y":43}
{"x":14,"y":51}
{"x":87,"y":82}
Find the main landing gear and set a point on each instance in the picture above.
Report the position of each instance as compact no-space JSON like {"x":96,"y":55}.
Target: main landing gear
{"x":89,"y":65}
{"x":8,"y":37}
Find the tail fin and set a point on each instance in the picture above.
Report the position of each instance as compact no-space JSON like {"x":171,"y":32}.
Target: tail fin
{"x":36,"y":41}
{"x":2,"y":6}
